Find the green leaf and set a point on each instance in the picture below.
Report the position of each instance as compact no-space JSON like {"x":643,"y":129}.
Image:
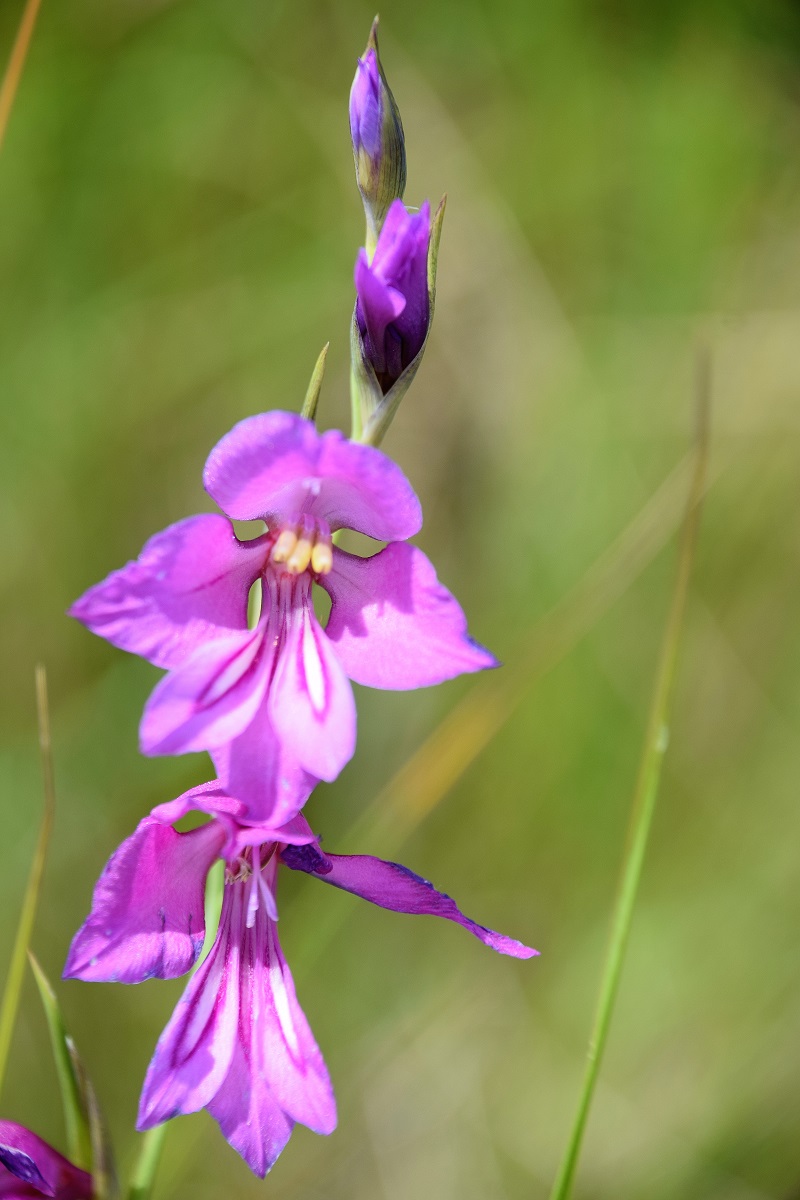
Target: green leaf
{"x":76,"y":1117}
{"x":16,"y":970}
{"x":309,"y":409}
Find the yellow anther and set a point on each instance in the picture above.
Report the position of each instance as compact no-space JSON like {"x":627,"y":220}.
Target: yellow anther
{"x":300,"y":557}
{"x":321,"y":558}
{"x":284,"y":546}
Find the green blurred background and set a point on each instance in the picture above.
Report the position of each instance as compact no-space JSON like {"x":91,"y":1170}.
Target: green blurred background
{"x":178,"y":225}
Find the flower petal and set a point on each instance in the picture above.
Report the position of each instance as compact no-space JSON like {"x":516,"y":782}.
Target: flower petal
{"x":189,"y":583}
{"x":195,"y":1051}
{"x":261,"y":772}
{"x":393,"y":886}
{"x":276,"y":466}
{"x":311,"y":703}
{"x":249,"y":1116}
{"x":148,"y":909}
{"x":29,"y":1166}
{"x":378,"y":305}
{"x":210,"y":699}
{"x":393,"y":625}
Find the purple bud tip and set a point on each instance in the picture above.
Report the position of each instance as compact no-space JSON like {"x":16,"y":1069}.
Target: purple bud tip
{"x":366,"y":110}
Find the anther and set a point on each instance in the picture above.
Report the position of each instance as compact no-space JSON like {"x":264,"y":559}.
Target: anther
{"x":300,"y":557}
{"x":285,"y":545}
{"x":322,"y":558}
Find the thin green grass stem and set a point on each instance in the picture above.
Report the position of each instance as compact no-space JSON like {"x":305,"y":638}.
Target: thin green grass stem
{"x":16,"y":970}
{"x":644,"y":798}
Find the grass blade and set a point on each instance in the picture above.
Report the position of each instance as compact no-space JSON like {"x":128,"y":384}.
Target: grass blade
{"x":76,"y":1119}
{"x":16,"y":970}
{"x":644,"y":797}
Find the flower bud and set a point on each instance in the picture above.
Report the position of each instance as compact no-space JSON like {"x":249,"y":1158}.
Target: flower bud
{"x":377,"y":134}
{"x":395,"y":292}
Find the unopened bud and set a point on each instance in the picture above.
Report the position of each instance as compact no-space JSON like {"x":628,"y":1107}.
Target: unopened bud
{"x":378,"y":144}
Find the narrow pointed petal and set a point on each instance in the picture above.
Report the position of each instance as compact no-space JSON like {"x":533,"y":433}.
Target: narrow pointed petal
{"x":189,"y":583}
{"x":210,"y":700}
{"x":249,"y":1116}
{"x":276,"y":466}
{"x":147,"y":915}
{"x":31,"y":1167}
{"x":311,"y":703}
{"x":284,"y":1051}
{"x":277,"y":1075}
{"x":393,"y":886}
{"x":393,"y":625}
{"x":195,"y":1051}
{"x":261,"y":772}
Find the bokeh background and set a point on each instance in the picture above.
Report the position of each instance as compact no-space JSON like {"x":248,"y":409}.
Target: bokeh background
{"x":178,"y":226}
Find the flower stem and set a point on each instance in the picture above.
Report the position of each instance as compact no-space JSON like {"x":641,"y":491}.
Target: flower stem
{"x":19,"y":52}
{"x":644,"y":798}
{"x":16,"y":970}
{"x":144,"y":1172}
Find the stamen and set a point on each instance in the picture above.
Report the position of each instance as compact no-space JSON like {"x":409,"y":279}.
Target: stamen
{"x":287,"y":540}
{"x":252,"y":901}
{"x":301,"y":556}
{"x":268,"y":898}
{"x":322,"y":558}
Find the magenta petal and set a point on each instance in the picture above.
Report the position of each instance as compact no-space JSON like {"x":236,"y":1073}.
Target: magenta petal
{"x":195,"y":1050}
{"x":31,"y":1167}
{"x":393,"y":886}
{"x":250,"y":1117}
{"x":210,"y":699}
{"x":311,"y":703}
{"x":277,"y":1075}
{"x":393,"y":625}
{"x":189,"y":583}
{"x":378,"y":304}
{"x":259,"y":770}
{"x":276,"y":466}
{"x":209,"y":798}
{"x":147,"y":915}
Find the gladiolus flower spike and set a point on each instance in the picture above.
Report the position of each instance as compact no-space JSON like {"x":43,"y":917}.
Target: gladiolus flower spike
{"x":238,"y":1043}
{"x":273,"y":704}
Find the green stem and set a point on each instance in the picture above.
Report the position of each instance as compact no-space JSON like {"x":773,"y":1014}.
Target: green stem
{"x":644,"y":799}
{"x":144,"y":1172}
{"x":16,"y":970}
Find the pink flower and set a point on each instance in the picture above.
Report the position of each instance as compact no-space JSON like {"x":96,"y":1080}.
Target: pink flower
{"x":30,"y":1168}
{"x":273,"y":704}
{"x":238,"y":1043}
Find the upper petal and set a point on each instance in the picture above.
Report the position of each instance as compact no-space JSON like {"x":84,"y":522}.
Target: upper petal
{"x":29,"y":1166}
{"x":393,"y":625}
{"x":311,"y":703}
{"x":393,"y":886}
{"x":148,"y":909}
{"x":276,"y":466}
{"x":189,"y":583}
